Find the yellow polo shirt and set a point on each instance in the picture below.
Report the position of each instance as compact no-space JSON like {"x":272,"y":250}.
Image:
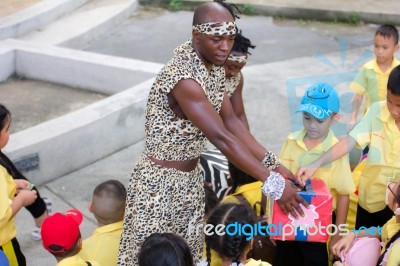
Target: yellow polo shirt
{"x":377,"y":130}
{"x":388,"y":231}
{"x":372,"y":82}
{"x":337,"y":175}
{"x":77,"y":261}
{"x":7,"y":191}
{"x":103,"y":245}
{"x":251,"y":192}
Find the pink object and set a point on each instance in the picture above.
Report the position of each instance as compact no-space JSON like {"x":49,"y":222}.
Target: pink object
{"x":314,"y":226}
{"x":364,"y":251}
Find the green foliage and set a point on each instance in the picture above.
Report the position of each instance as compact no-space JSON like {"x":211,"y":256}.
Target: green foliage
{"x":247,"y":9}
{"x":175,"y":5}
{"x":354,"y":18}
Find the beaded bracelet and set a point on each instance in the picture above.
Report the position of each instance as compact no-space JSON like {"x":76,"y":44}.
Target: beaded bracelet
{"x":274,"y":185}
{"x":270,"y":160}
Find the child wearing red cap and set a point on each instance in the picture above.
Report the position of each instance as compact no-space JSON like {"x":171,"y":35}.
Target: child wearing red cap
{"x":62,"y":238}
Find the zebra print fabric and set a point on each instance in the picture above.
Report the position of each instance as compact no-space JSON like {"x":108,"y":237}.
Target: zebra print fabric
{"x":214,"y":166}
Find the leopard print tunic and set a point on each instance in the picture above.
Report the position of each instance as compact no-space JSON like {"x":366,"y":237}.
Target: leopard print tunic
{"x":232,"y":83}
{"x":163,"y":199}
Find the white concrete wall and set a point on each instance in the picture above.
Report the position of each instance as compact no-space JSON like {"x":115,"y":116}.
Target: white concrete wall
{"x":36,"y":16}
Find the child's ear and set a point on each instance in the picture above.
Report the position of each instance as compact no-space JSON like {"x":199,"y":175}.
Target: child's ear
{"x":335,"y":118}
{"x":90,"y":207}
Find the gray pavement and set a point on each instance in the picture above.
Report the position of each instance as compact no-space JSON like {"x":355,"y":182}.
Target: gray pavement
{"x":287,"y":53}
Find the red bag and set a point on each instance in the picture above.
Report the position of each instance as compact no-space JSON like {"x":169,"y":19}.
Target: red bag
{"x":315,"y":226}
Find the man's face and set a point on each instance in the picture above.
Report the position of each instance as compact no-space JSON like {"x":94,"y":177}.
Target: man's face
{"x":215,"y":49}
{"x":232,"y":68}
{"x":393,"y":105}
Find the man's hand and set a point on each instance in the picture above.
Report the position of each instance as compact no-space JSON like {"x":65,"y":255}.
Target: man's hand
{"x":290,"y":201}
{"x":286,"y":173}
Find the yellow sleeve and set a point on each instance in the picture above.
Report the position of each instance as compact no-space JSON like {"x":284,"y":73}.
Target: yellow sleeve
{"x":342,"y":180}
{"x":361,"y":133}
{"x":5,"y":201}
{"x":394,"y":255}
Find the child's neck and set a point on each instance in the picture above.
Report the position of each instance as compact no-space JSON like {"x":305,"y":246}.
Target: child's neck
{"x":311,"y":143}
{"x":385,"y":65}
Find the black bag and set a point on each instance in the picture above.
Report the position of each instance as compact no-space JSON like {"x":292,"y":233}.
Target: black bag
{"x":263,"y":246}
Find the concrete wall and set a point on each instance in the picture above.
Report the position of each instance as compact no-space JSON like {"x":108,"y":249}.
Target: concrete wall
{"x":36,"y":16}
{"x":60,"y":146}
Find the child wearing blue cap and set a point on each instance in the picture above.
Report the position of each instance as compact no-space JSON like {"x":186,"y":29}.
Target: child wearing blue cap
{"x":320,"y":107}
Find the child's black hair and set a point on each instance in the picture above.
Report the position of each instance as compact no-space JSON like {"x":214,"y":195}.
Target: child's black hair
{"x":230,"y":246}
{"x":393,"y":84}
{"x":387,"y":31}
{"x":395,"y":236}
{"x":239,"y":177}
{"x":4,"y":114}
{"x":211,"y":199}
{"x":165,"y":249}
{"x":242,"y":44}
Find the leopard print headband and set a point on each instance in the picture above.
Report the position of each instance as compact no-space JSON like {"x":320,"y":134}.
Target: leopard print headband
{"x":216,"y":28}
{"x":238,"y":58}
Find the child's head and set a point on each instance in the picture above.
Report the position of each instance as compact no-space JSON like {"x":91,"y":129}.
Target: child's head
{"x":238,"y":56}
{"x":394,"y":197}
{"x":108,"y":202}
{"x":5,"y":120}
{"x":320,"y":105}
{"x":166,"y":249}
{"x":239,"y":177}
{"x":230,"y":247}
{"x":393,"y":93}
{"x":385,"y":43}
{"x":61,"y":235}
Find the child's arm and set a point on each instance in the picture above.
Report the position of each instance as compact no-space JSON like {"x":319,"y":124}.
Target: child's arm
{"x":22,"y":199}
{"x":341,"y":148}
{"x":357,"y":101}
{"x":342,"y":207}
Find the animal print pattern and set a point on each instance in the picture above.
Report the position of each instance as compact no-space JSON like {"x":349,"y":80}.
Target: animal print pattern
{"x":216,"y":28}
{"x":168,"y":137}
{"x":232,"y":83}
{"x":162,"y":200}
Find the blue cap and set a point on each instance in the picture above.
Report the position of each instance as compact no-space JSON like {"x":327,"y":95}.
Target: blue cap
{"x":320,"y":100}
{"x":3,"y":259}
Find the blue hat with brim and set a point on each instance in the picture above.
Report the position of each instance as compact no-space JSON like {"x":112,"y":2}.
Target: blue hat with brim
{"x":320,"y":100}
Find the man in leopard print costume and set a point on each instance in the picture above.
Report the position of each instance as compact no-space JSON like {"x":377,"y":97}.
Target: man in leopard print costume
{"x":187,"y":105}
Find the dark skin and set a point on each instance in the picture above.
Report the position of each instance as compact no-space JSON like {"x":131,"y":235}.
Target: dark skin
{"x":223,"y":129}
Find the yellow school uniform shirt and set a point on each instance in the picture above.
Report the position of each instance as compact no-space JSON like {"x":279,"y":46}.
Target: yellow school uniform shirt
{"x":388,"y":231}
{"x":76,"y":261}
{"x":7,"y":191}
{"x":337,"y":175}
{"x":377,"y":130}
{"x":103,"y":245}
{"x":252,"y":262}
{"x":372,"y":82}
{"x":251,"y":192}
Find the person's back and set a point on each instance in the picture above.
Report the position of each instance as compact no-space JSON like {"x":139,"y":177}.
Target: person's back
{"x":108,"y":205}
{"x":61,"y":237}
{"x":371,"y":82}
{"x":319,"y":106}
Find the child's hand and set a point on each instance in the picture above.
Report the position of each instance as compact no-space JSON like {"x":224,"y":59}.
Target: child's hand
{"x":332,"y":242}
{"x":343,"y":244}
{"x":304,"y":173}
{"x":27,"y":196}
{"x":22,"y":184}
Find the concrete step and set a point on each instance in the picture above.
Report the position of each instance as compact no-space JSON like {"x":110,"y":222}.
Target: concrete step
{"x":36,"y":16}
{"x":84,"y":24}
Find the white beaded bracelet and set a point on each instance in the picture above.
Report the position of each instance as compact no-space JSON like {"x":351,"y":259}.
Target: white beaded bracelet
{"x":274,"y":185}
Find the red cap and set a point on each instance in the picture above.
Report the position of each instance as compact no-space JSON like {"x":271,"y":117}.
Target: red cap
{"x":61,"y":230}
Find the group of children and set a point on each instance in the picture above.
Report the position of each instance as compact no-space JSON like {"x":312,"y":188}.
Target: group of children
{"x":314,"y":151}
